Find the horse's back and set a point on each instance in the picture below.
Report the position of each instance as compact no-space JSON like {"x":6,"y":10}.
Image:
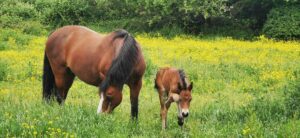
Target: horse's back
{"x":79,"y":49}
{"x":68,"y":33}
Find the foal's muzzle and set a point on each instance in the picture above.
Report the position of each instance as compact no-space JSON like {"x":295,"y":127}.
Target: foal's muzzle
{"x":185,"y":114}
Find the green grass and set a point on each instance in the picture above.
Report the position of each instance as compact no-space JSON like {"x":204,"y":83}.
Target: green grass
{"x":239,"y":92}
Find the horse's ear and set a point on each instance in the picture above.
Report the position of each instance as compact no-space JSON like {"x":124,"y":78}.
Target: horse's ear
{"x":190,"y":86}
{"x":179,"y":86}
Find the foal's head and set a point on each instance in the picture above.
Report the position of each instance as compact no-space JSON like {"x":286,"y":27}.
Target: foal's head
{"x":185,"y":99}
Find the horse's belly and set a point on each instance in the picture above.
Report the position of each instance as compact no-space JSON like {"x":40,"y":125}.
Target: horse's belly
{"x":86,"y":72}
{"x":83,"y":64}
{"x":89,"y":79}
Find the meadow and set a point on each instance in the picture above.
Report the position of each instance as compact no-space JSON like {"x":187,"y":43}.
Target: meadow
{"x":241,"y":89}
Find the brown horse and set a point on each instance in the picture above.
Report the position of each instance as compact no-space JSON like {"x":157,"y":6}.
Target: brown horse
{"x":173,"y":86}
{"x":106,"y":61}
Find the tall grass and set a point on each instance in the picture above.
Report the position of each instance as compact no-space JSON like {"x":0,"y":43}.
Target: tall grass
{"x":242,"y":88}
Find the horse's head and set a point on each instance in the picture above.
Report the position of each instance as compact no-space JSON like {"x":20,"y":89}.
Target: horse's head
{"x":185,"y":99}
{"x":110,"y":99}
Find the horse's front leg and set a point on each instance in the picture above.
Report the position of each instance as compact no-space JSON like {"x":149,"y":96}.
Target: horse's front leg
{"x":134,"y":98}
{"x":164,"y":111}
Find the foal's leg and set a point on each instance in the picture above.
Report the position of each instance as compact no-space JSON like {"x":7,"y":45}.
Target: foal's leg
{"x":165,"y":105}
{"x":63,"y":80}
{"x":134,"y":98}
{"x":162,"y":108}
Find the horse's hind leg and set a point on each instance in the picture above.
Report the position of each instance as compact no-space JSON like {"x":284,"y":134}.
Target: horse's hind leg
{"x":134,"y":98}
{"x":63,"y":81}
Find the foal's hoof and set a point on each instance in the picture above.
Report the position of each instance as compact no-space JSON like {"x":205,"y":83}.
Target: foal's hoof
{"x":180,"y":121}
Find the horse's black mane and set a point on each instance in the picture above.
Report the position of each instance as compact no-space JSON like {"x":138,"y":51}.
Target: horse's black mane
{"x":122,"y":66}
{"x":182,"y":78}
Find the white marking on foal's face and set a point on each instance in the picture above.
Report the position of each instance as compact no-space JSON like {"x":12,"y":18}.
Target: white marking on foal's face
{"x":185,"y":111}
{"x":179,"y":110}
{"x":99,"y":110}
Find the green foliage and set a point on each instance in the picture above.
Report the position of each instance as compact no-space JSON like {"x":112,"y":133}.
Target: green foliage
{"x":252,"y":12}
{"x":7,"y":21}
{"x":10,"y":38}
{"x":67,"y":12}
{"x":22,"y":15}
{"x":144,"y":14}
{"x":292,"y":101}
{"x":18,"y":8}
{"x":3,"y":69}
{"x":240,"y":19}
{"x":150,"y":71}
{"x":224,"y":27}
{"x":165,"y":13}
{"x":283,"y":22}
{"x":268,"y":110}
{"x":33,"y":28}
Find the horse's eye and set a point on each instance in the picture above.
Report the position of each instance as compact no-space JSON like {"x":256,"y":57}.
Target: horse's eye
{"x":190,"y":100}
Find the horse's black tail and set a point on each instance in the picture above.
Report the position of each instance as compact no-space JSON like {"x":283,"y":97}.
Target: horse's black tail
{"x":48,"y":80}
{"x":124,"y":63}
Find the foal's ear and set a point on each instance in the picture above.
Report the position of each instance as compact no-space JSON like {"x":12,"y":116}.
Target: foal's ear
{"x":190,"y":87}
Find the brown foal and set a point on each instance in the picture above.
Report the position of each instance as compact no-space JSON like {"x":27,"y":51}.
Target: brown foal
{"x":173,"y":86}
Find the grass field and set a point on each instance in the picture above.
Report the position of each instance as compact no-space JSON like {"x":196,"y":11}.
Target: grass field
{"x":240,"y":90}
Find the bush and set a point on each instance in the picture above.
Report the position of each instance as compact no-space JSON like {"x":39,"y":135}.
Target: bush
{"x":145,"y":14}
{"x":34,"y":28}
{"x":150,"y":71}
{"x":252,"y":12}
{"x":10,"y":38}
{"x":7,"y":21}
{"x":283,"y":22}
{"x":223,"y":26}
{"x":19,"y":9}
{"x":15,"y":14}
{"x":189,"y":15}
{"x":68,"y":12}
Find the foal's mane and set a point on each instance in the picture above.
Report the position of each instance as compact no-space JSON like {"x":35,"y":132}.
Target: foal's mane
{"x":182,"y":78}
{"x":123,"y":64}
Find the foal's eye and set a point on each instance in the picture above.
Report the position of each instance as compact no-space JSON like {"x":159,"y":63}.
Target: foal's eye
{"x":190,"y":100}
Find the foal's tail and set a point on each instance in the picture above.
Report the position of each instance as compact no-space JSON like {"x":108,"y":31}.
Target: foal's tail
{"x":49,"y":87}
